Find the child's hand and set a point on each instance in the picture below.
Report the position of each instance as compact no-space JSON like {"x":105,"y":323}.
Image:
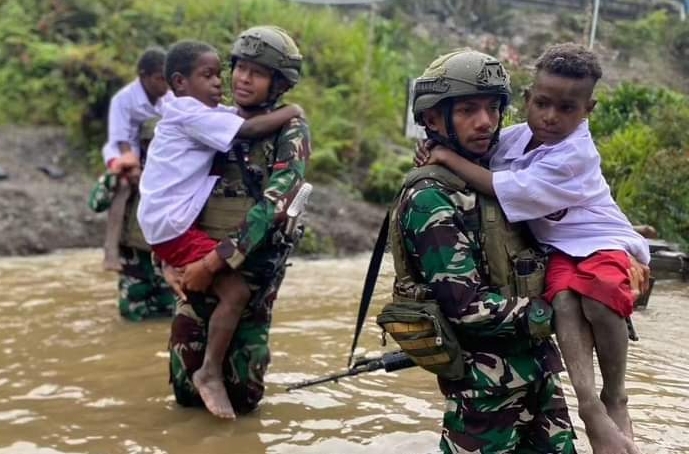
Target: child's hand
{"x":129,"y":161}
{"x":296,"y":110}
{"x":422,"y":153}
{"x":439,"y":155}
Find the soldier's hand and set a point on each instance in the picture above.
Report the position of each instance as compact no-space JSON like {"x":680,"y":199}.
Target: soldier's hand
{"x":639,"y":276}
{"x":197,"y":277}
{"x":173,"y":277}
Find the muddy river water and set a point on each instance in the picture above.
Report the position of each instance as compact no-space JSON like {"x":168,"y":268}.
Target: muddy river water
{"x":75,"y":378}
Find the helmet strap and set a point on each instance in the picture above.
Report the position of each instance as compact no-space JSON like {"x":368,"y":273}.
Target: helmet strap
{"x":452,"y":140}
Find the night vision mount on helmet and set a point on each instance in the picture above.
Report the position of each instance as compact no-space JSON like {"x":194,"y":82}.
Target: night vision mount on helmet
{"x":272,"y":47}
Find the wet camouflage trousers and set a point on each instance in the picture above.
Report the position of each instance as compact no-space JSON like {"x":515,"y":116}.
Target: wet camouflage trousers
{"x":143,"y":293}
{"x":247,"y":357}
{"x":532,"y":419}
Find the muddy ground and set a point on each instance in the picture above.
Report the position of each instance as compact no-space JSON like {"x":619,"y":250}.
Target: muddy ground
{"x":40,"y":213}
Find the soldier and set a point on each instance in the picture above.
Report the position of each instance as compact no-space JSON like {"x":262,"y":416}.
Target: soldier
{"x":453,"y":250}
{"x":259,"y":180}
{"x":143,"y":293}
{"x":132,"y":114}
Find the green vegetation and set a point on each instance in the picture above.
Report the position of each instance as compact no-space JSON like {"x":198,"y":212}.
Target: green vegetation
{"x":63,"y":60}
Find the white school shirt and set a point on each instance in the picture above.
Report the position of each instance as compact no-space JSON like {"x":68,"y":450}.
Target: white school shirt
{"x":175,"y":183}
{"x":560,"y":190}
{"x":129,"y":109}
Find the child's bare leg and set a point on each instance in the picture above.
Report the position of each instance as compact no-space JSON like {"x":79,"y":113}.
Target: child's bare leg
{"x":576,"y":342}
{"x":233,"y":295}
{"x":610,"y":332}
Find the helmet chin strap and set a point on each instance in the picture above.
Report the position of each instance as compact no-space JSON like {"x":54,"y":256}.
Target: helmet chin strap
{"x":452,"y":140}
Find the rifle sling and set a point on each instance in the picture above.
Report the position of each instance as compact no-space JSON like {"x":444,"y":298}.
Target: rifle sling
{"x":370,"y":282}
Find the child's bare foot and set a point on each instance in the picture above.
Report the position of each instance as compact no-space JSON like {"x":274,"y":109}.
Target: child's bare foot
{"x":213,"y":393}
{"x":606,"y":438}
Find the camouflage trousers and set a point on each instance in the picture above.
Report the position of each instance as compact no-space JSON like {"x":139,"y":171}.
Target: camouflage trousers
{"x":532,"y":419}
{"x":247,"y":357}
{"x":143,"y":293}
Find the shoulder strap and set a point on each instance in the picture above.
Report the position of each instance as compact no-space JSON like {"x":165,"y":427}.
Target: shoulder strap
{"x":441,"y":174}
{"x":370,"y":282}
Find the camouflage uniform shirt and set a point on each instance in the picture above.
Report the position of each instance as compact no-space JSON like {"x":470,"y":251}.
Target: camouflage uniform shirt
{"x":508,"y":374}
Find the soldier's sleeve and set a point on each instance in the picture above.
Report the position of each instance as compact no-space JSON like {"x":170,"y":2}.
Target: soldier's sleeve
{"x":435,"y":236}
{"x":293,"y":150}
{"x":103,"y":192}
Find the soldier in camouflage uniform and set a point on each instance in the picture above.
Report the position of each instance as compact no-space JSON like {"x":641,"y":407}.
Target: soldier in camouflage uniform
{"x":143,"y":293}
{"x":276,"y":164}
{"x":510,"y":399}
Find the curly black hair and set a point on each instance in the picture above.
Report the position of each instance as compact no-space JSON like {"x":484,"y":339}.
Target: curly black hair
{"x":182,"y":56}
{"x":151,"y":61}
{"x":570,"y":60}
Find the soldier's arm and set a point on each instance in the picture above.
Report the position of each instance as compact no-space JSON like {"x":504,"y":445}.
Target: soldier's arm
{"x":293,"y":149}
{"x":434,"y":229}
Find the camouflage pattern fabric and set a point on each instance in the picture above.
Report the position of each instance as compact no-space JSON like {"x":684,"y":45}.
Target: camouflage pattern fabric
{"x":502,"y":360}
{"x":532,"y":419}
{"x":287,"y":154}
{"x":251,"y":251}
{"x":143,"y":293}
{"x":247,"y":357}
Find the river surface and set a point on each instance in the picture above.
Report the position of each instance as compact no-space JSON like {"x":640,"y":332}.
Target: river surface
{"x":75,"y":378}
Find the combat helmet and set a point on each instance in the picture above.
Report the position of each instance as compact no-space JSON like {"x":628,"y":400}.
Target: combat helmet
{"x":269,"y":46}
{"x":461,"y":73}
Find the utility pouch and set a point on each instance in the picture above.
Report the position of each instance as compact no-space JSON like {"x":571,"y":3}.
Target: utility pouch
{"x":425,"y":334}
{"x":529,"y":275}
{"x":132,"y":236}
{"x":540,"y":318}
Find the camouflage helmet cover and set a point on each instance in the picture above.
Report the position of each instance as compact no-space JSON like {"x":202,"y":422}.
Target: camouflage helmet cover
{"x":272,"y":47}
{"x":463,"y":72}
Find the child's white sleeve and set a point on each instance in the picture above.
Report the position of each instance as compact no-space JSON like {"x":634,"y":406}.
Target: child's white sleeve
{"x":215,"y":129}
{"x":546,"y":186}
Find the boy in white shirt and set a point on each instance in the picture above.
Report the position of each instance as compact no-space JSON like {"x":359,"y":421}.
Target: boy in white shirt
{"x":176,"y":184}
{"x":547,"y":172}
{"x":132,"y":106}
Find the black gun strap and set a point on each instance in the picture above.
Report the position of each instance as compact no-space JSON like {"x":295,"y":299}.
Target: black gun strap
{"x":370,"y":282}
{"x":249,"y":183}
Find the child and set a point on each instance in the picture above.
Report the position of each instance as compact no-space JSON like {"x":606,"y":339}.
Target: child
{"x":132,"y":106}
{"x":176,"y":184}
{"x":547,"y":172}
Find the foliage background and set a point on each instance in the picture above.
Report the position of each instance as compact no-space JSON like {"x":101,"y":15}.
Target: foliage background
{"x":63,"y":60}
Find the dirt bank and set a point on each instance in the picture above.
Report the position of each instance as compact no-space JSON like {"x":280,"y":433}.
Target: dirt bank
{"x":40,"y":213}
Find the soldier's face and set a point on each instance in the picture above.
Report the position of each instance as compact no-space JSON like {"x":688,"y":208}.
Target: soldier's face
{"x":250,"y":83}
{"x":475,"y":121}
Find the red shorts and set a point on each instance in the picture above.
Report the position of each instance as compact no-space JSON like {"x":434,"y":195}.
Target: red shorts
{"x":602,"y":276}
{"x":191,"y":246}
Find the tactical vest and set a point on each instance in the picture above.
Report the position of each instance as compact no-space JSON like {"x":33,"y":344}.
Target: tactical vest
{"x":229,"y":202}
{"x":506,"y":262}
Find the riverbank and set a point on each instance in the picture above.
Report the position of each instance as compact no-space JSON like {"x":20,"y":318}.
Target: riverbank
{"x":44,"y":187}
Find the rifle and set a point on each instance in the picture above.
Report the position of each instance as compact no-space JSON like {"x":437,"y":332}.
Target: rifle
{"x":285,"y":241}
{"x":390,"y":361}
{"x":113,"y":231}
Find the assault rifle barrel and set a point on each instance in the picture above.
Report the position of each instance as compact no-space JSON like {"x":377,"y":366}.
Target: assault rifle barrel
{"x":390,"y":362}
